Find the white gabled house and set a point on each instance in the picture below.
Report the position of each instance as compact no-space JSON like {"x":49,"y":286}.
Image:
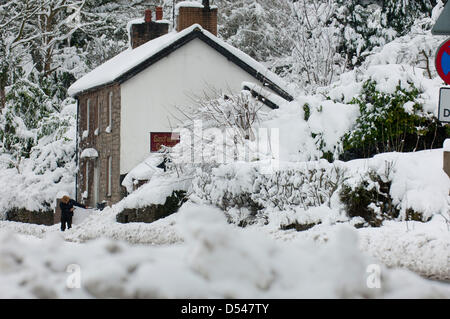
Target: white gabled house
{"x":133,"y":97}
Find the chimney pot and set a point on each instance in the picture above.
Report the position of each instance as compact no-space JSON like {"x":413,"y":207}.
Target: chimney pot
{"x":206,"y":4}
{"x":142,"y":32}
{"x":159,"y":13}
{"x":148,"y":16}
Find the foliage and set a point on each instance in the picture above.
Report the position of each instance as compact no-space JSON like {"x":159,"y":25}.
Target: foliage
{"x":255,"y":27}
{"x":370,"y":199}
{"x":391,"y":122}
{"x":44,"y":46}
{"x":365,"y":25}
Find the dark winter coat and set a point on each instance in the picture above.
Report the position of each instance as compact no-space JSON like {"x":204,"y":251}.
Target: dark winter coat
{"x":65,"y":208}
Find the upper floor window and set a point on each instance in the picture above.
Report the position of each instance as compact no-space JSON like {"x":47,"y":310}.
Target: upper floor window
{"x":110,"y":109}
{"x":86,"y":180}
{"x":99,"y":115}
{"x":85,"y":133}
{"x":88,"y":114}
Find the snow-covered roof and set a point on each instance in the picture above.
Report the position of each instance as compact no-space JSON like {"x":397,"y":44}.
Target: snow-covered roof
{"x":118,"y":68}
{"x":189,"y":4}
{"x":89,"y":153}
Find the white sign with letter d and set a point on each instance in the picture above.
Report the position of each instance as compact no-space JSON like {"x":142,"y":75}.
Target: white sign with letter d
{"x":444,"y":105}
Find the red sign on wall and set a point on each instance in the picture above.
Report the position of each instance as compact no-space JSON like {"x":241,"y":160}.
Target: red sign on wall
{"x":157,"y":139}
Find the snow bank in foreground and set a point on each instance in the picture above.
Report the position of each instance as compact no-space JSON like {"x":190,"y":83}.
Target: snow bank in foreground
{"x":424,"y":248}
{"x":420,"y":247}
{"x":216,"y":260}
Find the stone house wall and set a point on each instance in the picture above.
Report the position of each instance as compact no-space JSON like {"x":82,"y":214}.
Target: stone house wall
{"x":103,"y":138}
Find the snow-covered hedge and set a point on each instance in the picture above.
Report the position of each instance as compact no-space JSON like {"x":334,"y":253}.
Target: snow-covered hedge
{"x":395,"y":186}
{"x":246,"y":186}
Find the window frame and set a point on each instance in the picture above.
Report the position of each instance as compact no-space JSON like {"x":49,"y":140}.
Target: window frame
{"x":110,"y":108}
{"x":88,"y":113}
{"x":109,"y":177}
{"x":99,"y":118}
{"x":87,"y":178}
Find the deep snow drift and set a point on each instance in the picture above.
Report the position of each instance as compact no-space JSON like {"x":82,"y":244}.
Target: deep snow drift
{"x":216,"y":260}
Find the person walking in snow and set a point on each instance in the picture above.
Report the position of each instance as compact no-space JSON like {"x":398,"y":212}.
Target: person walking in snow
{"x":67,"y":209}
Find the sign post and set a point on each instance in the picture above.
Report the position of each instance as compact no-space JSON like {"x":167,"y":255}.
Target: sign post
{"x":442,"y":27}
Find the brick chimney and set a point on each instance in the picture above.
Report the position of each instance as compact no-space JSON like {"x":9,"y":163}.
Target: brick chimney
{"x":159,"y":13}
{"x":202,"y":14}
{"x":141,"y":33}
{"x":148,"y":16}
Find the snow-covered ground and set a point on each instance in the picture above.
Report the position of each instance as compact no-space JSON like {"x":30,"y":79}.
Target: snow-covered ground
{"x":215,"y":260}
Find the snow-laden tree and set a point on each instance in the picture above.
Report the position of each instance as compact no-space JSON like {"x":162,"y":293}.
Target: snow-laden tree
{"x":34,"y":66}
{"x":367,"y":24}
{"x":44,"y":46}
{"x":255,"y":27}
{"x":315,"y":59}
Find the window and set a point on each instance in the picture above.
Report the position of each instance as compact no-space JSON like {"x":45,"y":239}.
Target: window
{"x":87,"y":178}
{"x":88,"y":113}
{"x":110,"y":108}
{"x":99,"y":110}
{"x":109,"y":175}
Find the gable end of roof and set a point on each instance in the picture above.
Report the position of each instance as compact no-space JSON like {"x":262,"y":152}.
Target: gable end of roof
{"x":196,"y":34}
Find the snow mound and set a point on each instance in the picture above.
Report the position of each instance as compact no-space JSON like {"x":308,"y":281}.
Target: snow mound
{"x":143,"y":171}
{"x":216,"y":260}
{"x":447,"y":145}
{"x":89,"y":152}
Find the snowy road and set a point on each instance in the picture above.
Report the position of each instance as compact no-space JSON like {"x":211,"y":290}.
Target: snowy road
{"x":189,"y":255}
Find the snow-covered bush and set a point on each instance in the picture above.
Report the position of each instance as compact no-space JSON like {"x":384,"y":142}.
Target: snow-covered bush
{"x":223,"y":128}
{"x":400,"y":186}
{"x":370,"y":198}
{"x":215,"y":109}
{"x":391,"y":122}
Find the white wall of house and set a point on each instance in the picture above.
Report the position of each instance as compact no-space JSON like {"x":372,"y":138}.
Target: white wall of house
{"x":149,"y":99}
